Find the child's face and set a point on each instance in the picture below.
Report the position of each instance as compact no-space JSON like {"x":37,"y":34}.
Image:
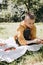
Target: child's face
{"x":29,"y":22}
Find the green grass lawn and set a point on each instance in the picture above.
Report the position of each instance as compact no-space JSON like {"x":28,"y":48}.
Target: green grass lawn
{"x":30,"y":58}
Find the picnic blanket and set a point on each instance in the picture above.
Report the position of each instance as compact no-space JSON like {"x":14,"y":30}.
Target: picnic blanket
{"x":7,"y":54}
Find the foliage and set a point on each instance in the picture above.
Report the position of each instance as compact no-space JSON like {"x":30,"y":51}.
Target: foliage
{"x":34,"y":6}
{"x":19,"y":12}
{"x":39,"y":14}
{"x":18,"y":8}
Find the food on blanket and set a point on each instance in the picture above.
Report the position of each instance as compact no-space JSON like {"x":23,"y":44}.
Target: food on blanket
{"x":12,"y":48}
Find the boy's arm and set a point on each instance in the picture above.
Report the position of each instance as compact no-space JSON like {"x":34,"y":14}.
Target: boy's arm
{"x":22,"y":40}
{"x":20,"y":36}
{"x":34,"y":38}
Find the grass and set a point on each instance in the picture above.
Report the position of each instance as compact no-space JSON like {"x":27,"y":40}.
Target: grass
{"x":30,"y":58}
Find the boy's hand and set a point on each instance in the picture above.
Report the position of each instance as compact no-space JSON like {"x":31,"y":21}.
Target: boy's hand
{"x":37,"y":41}
{"x":41,"y":41}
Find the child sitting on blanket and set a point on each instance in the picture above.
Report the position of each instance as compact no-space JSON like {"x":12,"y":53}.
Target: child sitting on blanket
{"x":26,"y":32}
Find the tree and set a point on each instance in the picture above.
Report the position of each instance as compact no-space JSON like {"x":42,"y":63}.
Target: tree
{"x":32,"y":5}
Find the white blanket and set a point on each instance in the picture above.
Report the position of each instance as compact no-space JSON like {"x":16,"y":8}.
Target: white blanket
{"x":11,"y":55}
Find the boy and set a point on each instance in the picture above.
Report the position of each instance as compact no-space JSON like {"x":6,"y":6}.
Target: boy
{"x":26,"y":33}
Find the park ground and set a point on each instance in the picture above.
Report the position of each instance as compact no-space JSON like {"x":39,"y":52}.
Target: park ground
{"x":30,"y":58}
